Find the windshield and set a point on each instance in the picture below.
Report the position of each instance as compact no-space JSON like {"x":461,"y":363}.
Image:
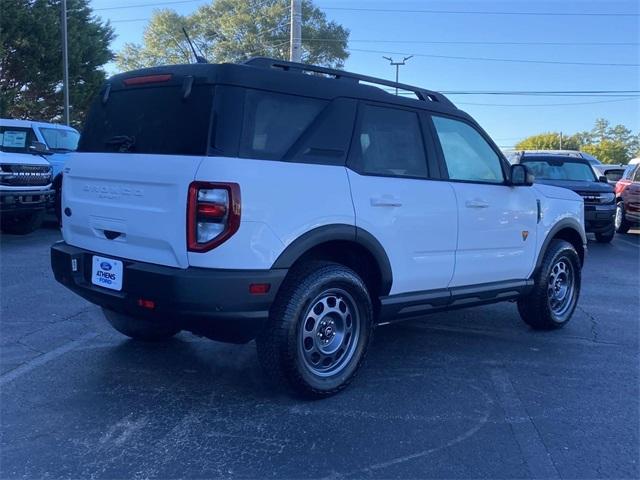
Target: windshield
{"x":16,"y":139}
{"x":560,"y":169}
{"x":60,"y":140}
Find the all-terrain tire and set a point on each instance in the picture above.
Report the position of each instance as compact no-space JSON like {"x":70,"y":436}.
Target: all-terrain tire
{"x":139,"y":328}
{"x":621,"y":224}
{"x":319,"y":302}
{"x":21,"y":224}
{"x":545,"y":308}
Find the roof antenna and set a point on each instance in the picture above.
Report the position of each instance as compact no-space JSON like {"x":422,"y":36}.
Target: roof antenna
{"x":199,"y":59}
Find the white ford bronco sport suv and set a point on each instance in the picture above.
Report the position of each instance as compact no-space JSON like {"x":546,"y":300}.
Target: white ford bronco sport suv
{"x":302,"y":206}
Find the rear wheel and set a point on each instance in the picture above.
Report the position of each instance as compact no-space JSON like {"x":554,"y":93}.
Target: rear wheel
{"x":554,"y":297}
{"x":319,"y":330}
{"x":21,"y":223}
{"x":621,"y":224}
{"x":139,"y":328}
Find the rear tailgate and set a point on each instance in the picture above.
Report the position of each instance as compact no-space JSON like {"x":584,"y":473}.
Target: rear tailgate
{"x":128,"y":205}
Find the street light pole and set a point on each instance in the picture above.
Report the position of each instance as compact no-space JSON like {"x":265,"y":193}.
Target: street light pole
{"x":65,"y":64}
{"x":397,"y":65}
{"x":295,"y":40}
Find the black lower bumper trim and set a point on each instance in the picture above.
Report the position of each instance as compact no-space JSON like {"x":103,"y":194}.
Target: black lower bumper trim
{"x":214,"y":303}
{"x":26,"y":200}
{"x":599,"y":220}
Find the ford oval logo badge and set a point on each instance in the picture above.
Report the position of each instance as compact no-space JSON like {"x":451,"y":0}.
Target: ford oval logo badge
{"x":105,"y":266}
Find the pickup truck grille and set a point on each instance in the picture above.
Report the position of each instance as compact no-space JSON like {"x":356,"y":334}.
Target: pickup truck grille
{"x":25,"y":175}
{"x":591,"y":198}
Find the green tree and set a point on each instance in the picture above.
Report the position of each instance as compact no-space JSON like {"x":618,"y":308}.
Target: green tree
{"x":608,"y":151}
{"x":548,"y":141}
{"x":233,"y":31}
{"x":31,"y":58}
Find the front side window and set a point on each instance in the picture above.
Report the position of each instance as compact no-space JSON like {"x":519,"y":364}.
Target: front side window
{"x":389,"y":142}
{"x":16,"y":139}
{"x":467,"y":155}
{"x":60,"y":140}
{"x":274,"y":121}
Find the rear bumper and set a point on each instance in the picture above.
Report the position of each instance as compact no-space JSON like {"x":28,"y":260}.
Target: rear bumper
{"x":214,"y":303}
{"x":25,"y":200}
{"x":599,"y":219}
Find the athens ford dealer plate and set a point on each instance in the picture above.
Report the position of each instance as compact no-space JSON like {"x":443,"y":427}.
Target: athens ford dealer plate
{"x":107,"y":273}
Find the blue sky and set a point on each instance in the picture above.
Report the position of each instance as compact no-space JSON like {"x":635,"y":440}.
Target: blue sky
{"x":506,"y":118}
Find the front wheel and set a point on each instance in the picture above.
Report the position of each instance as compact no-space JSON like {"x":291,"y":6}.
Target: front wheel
{"x":554,"y":297}
{"x":621,"y":224}
{"x":21,"y":223}
{"x":605,"y":237}
{"x":140,"y":328}
{"x":318,"y":331}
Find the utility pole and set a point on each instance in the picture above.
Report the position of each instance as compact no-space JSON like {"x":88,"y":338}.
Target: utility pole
{"x":295,"y":41}
{"x":397,"y":65}
{"x":560,"y":140}
{"x":65,"y":64}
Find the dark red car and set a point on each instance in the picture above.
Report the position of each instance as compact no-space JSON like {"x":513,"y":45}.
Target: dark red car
{"x":628,"y":199}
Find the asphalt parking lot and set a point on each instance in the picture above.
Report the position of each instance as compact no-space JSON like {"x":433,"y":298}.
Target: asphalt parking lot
{"x":466,"y":394}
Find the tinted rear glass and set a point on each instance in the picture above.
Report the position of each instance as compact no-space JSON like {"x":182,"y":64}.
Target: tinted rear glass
{"x":274,"y":121}
{"x":150,"y":120}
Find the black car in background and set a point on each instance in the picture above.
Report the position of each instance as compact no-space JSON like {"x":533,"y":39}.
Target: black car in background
{"x":577,"y":174}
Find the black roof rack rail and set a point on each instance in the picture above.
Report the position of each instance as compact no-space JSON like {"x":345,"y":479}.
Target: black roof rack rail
{"x":421,"y":93}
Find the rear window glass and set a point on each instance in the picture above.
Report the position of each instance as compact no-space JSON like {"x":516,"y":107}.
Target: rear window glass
{"x":273,"y":122}
{"x":150,"y":120}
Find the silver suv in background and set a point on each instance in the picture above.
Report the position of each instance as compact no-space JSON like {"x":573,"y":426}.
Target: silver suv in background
{"x":25,"y":177}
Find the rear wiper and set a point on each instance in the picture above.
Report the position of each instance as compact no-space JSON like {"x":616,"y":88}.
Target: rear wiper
{"x":124,"y":142}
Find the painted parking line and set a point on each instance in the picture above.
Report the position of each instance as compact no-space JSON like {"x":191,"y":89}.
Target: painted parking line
{"x":45,"y":358}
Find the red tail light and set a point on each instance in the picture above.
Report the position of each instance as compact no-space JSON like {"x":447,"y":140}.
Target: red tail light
{"x":213,"y":214}
{"x":128,"y":82}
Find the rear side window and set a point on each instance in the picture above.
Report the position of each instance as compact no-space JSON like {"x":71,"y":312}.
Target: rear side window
{"x":467,"y":155}
{"x":154,"y":120}
{"x":274,"y":121}
{"x":388,"y":142}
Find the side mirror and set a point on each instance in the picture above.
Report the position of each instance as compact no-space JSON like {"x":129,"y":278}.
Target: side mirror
{"x":603,"y":179}
{"x":39,"y":147}
{"x":520,"y":176}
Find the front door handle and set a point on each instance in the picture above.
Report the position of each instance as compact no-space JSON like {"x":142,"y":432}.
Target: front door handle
{"x":477,"y":204}
{"x":385,"y":201}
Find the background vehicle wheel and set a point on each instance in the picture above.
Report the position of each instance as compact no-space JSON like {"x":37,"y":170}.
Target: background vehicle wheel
{"x":621,"y":224}
{"x":555,"y":294}
{"x":605,"y":237}
{"x":21,"y":224}
{"x":138,"y":328}
{"x":319,"y":330}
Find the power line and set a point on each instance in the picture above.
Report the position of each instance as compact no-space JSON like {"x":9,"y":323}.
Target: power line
{"x":491,"y":59}
{"x":550,"y":93}
{"x":545,"y":104}
{"x":139,"y":5}
{"x":482,"y":12}
{"x":478,"y":42}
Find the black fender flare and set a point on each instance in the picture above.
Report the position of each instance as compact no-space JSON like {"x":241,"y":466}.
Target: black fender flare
{"x":328,"y":233}
{"x":565,"y":223}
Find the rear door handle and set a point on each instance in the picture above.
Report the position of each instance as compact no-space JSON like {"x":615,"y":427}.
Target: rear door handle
{"x":385,"y":201}
{"x":477,"y":204}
